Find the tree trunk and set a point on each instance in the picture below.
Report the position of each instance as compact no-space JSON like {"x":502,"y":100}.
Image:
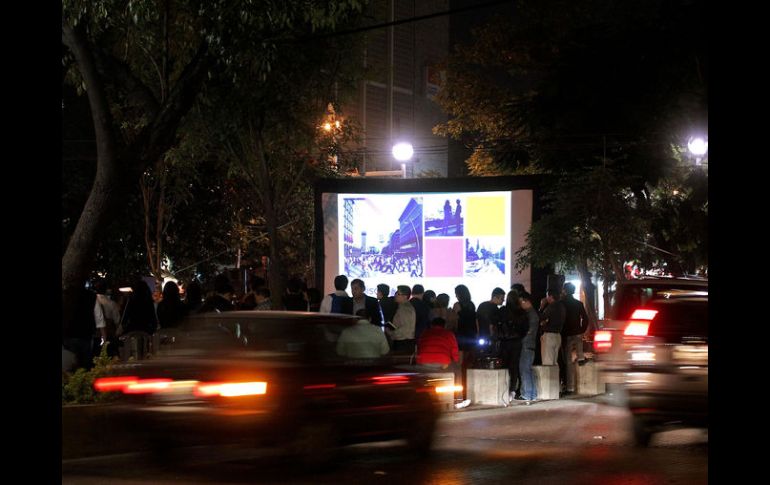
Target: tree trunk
{"x":276,"y":278}
{"x":81,"y":248}
{"x":113,"y":162}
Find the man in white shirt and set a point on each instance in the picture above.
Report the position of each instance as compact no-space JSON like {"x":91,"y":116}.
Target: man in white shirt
{"x":106,"y":314}
{"x":363,"y":340}
{"x":402,"y":331}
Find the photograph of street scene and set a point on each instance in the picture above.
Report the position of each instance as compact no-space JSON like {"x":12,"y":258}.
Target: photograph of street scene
{"x":382,"y":235}
{"x":484,"y":256}
{"x":443,"y":215}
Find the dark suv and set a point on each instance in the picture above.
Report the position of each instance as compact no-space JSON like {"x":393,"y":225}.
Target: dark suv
{"x":654,"y":349}
{"x":270,"y":378}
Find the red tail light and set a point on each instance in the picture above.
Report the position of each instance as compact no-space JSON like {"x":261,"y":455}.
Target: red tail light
{"x":134,"y":385}
{"x":108,"y":384}
{"x":387,"y":379}
{"x":639,"y":326}
{"x":602,"y":340}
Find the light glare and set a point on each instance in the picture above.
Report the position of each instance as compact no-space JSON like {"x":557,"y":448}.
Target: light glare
{"x":698,"y":146}
{"x":403,"y":151}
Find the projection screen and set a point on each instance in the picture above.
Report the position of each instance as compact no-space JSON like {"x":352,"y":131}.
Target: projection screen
{"x":437,"y":239}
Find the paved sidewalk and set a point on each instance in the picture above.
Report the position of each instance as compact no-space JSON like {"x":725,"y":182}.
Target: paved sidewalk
{"x":474,"y":410}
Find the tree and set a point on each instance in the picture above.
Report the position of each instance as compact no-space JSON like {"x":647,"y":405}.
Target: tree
{"x":142,"y":65}
{"x":560,"y":84}
{"x":590,"y":222}
{"x":278,"y":140}
{"x":564,"y":87}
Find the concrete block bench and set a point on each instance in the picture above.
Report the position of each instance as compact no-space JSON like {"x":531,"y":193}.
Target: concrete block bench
{"x":589,"y":379}
{"x":546,"y":381}
{"x":488,"y":386}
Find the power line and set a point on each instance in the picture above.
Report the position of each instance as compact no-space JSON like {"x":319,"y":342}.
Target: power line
{"x":406,"y":20}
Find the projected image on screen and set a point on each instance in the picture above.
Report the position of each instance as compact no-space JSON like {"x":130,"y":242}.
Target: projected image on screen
{"x":484,"y":256}
{"x":439,"y":240}
{"x":382,"y":235}
{"x":443,"y":218}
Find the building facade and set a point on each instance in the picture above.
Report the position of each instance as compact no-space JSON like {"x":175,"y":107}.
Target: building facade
{"x":394,"y":103}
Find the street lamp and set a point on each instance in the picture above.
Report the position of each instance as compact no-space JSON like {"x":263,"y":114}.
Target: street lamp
{"x":403,"y":152}
{"x":698,"y":147}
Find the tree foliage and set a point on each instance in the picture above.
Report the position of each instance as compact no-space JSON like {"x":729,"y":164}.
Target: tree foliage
{"x":595,"y":93}
{"x":274,"y":140}
{"x":142,"y":64}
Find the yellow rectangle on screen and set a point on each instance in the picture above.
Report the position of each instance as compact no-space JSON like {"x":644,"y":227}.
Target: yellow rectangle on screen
{"x":485,"y":216}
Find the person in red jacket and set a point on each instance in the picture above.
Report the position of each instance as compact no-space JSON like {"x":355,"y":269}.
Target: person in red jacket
{"x":437,"y":346}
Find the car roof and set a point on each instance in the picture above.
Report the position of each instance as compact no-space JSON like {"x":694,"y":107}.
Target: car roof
{"x":310,"y":317}
{"x":663,"y":281}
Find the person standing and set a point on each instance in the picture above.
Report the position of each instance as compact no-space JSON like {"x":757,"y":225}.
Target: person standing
{"x":402,"y":333}
{"x":575,"y":324}
{"x":528,"y":343}
{"x":107,"y":317}
{"x":488,"y":314}
{"x":294,"y":299}
{"x":193,"y":297}
{"x":139,"y":314}
{"x":441,"y":309}
{"x":361,"y":301}
{"x":553,"y":322}
{"x":467,"y":330}
{"x":509,"y":334}
{"x":387,"y":303}
{"x":421,"y":310}
{"x":339,"y":301}
{"x":78,"y":333}
{"x":467,"y":327}
{"x":170,"y":309}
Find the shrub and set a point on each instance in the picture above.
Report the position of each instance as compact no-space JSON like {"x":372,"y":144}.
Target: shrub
{"x":78,"y":387}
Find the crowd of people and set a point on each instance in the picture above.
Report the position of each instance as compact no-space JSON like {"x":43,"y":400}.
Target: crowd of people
{"x":412,"y":322}
{"x":420,"y":323}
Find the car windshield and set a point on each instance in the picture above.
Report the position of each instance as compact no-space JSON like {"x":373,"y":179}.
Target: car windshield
{"x":630,"y":297}
{"x":682,"y":311}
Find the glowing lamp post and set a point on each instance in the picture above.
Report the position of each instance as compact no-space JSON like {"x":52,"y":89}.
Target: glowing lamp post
{"x":698,"y":147}
{"x":403,"y":152}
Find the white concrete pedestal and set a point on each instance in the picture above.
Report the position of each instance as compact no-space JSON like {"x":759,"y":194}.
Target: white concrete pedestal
{"x":488,"y":386}
{"x":546,"y":381}
{"x":589,"y":379}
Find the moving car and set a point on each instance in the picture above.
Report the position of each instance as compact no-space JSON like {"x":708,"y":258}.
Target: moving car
{"x":270,"y":378}
{"x":654,"y":349}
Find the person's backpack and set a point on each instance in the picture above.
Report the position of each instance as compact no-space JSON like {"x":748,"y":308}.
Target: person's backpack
{"x":341,"y":304}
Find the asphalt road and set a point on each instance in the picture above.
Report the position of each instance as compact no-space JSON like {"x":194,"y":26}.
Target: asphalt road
{"x":574,"y":441}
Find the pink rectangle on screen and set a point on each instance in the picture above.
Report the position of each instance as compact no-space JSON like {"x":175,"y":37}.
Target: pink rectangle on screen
{"x":444,"y":257}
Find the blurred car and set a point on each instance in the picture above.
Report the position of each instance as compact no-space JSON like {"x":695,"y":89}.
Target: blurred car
{"x":654,"y":350}
{"x":270,"y":378}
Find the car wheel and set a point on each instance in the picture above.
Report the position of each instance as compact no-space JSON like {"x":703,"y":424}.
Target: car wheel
{"x":643,"y":431}
{"x":315,"y":444}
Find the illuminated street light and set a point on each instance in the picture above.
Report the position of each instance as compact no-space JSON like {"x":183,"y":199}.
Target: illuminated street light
{"x":403,"y":152}
{"x":698,"y":147}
